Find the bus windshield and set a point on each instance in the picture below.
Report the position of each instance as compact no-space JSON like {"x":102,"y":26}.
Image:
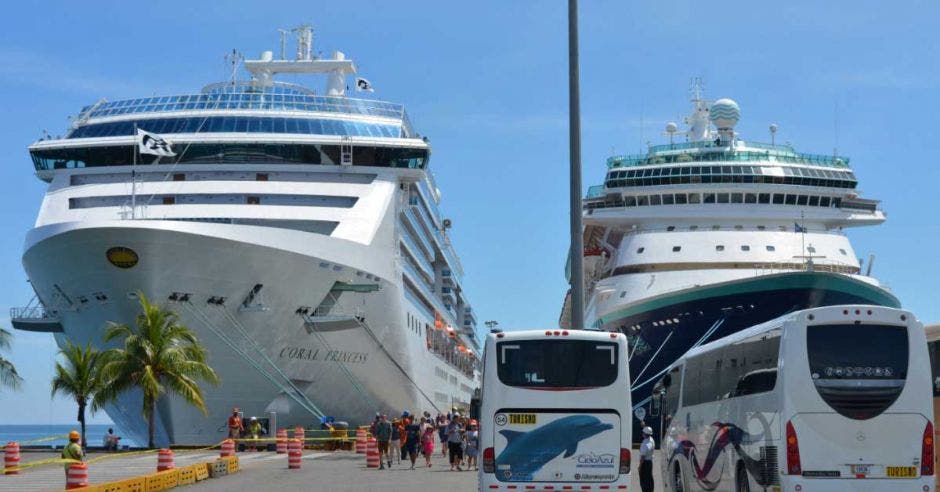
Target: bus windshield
{"x":857,"y":351}
{"x":557,"y":364}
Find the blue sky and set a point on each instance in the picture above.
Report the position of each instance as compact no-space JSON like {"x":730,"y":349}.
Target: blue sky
{"x":487,"y":82}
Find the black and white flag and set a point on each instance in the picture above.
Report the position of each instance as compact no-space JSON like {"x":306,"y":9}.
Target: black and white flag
{"x":363,"y":85}
{"x":149,"y":143}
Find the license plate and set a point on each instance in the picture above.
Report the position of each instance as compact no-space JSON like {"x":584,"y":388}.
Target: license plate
{"x":860,"y":469}
{"x":522,"y":418}
{"x":901,"y":472}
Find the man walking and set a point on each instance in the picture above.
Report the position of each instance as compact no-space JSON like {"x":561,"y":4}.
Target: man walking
{"x":72,"y":451}
{"x":235,"y":426}
{"x":646,"y":460}
{"x":454,"y":442}
{"x":383,"y":434}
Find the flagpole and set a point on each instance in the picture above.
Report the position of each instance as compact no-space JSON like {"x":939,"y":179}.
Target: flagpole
{"x":134,"y":176}
{"x":576,"y":250}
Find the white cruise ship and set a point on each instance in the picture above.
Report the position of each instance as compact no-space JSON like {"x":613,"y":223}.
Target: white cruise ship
{"x":696,"y":240}
{"x":298,"y":234}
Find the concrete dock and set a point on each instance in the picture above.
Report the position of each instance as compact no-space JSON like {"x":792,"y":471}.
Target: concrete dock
{"x":262,"y":471}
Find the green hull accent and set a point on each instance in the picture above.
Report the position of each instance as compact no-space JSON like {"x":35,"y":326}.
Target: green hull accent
{"x":780,"y":281}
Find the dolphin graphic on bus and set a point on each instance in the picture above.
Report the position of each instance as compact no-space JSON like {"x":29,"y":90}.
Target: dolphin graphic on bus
{"x":527,"y":452}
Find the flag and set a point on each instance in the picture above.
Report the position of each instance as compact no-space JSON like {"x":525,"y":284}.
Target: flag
{"x":149,"y":143}
{"x":363,"y":85}
{"x":798,"y":228}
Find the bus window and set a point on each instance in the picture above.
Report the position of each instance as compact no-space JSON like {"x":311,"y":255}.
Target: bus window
{"x":557,"y":363}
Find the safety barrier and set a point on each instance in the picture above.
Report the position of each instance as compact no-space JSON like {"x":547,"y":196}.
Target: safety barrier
{"x":165,"y":460}
{"x":361,"y":441}
{"x":294,"y":459}
{"x":227,"y":449}
{"x":77,"y":476}
{"x":299,"y":433}
{"x":372,"y":453}
{"x":281,"y":441}
{"x":11,"y":458}
{"x":164,"y":480}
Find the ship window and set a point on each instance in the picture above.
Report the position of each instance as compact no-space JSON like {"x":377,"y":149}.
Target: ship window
{"x":655,"y":200}
{"x":671,"y":228}
{"x":842,"y":251}
{"x":738,"y":227}
{"x":723,"y":198}
{"x":693,"y":228}
{"x":681,"y":199}
{"x":761,"y":228}
{"x":801,"y":200}
{"x":640,"y":250}
{"x":745,"y":247}
{"x":169,"y":200}
{"x":782,"y":228}
{"x":179,"y":177}
{"x":791,"y":200}
{"x":695,"y":198}
{"x":814,"y":201}
{"x":261,"y":177}
{"x":750,"y":198}
{"x":716,"y":227}
{"x":709,"y":198}
{"x":253,"y":200}
{"x":630,"y":201}
{"x":642,"y":201}
{"x":778,"y":199}
{"x":676,"y":249}
{"x":824,"y":201}
{"x":720,"y":247}
{"x":771,"y":248}
{"x":667,"y":200}
{"x":737,"y":198}
{"x":763,"y":198}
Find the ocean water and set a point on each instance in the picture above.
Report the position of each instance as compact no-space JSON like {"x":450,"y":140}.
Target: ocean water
{"x":38,"y":435}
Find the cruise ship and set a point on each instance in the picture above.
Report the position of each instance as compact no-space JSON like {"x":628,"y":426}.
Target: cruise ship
{"x":698,"y":239}
{"x":297,"y":233}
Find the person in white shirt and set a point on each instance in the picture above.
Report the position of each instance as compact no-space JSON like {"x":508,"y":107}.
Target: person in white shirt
{"x":646,"y":460}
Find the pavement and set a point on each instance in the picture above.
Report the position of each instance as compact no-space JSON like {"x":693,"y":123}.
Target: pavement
{"x":263,"y":471}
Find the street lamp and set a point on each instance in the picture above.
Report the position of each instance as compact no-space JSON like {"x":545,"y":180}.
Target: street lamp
{"x":492,"y":325}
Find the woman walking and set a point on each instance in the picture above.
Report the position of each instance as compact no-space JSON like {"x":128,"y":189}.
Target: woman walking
{"x":473,"y":443}
{"x":427,"y":442}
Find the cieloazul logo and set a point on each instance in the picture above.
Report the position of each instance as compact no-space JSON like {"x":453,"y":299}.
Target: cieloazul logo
{"x":591,"y":460}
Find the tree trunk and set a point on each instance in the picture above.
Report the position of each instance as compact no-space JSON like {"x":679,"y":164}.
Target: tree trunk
{"x":81,"y":420}
{"x":152,"y":404}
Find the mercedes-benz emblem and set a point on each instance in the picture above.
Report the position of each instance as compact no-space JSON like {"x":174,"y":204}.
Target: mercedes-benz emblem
{"x":860,"y":436}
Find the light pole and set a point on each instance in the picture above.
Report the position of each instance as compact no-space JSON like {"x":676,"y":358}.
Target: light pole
{"x":574,"y":136}
{"x":491,"y":325}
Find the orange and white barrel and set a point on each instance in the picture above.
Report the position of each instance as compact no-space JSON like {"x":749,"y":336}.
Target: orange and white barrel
{"x":281,"y":441}
{"x":372,"y":453}
{"x":11,"y":458}
{"x":165,"y":460}
{"x":294,"y":459}
{"x":299,"y":434}
{"x":294,"y":445}
{"x":77,"y":476}
{"x":360,"y":441}
{"x":228,"y":448}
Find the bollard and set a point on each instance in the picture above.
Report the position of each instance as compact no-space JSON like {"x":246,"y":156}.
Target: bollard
{"x":77,"y":476}
{"x":360,"y":441}
{"x":372,"y":453}
{"x":294,"y":460}
{"x":281,"y":441}
{"x":11,"y":458}
{"x":299,"y":434}
{"x":228,"y":448}
{"x":165,"y":460}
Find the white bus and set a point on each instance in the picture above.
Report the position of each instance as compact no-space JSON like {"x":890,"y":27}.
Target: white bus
{"x":831,"y":399}
{"x":556,"y":411}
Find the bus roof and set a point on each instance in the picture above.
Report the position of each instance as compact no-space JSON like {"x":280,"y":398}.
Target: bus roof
{"x":570,"y":334}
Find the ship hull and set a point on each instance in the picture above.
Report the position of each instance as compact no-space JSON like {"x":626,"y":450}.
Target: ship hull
{"x":350,"y":361}
{"x":663,"y":328}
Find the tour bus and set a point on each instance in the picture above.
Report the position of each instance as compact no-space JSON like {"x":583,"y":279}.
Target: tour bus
{"x":555,"y":411}
{"x":827,"y":399}
{"x":933,"y":351}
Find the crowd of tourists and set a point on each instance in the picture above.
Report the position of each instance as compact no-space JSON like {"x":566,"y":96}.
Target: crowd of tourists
{"x":405,"y":437}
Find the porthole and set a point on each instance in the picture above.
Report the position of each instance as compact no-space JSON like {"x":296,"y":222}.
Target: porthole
{"x":640,"y":250}
{"x":771,"y":248}
{"x":842,"y":251}
{"x":676,"y":249}
{"x":671,"y":228}
{"x":720,"y":247}
{"x":745,"y":247}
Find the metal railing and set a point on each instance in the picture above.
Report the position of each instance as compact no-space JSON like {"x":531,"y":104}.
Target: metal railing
{"x":728,"y":156}
{"x":32,"y":313}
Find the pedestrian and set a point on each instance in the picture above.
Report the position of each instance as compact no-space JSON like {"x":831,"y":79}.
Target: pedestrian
{"x":383,"y":434}
{"x":111,"y":440}
{"x":441,"y":433}
{"x":72,"y":451}
{"x":427,"y":441}
{"x":395,"y":443}
{"x":235,"y":426}
{"x":454,"y":442}
{"x":412,"y":440}
{"x":646,"y":460}
{"x":473,"y":445}
{"x":254,"y":432}
{"x":375,"y":421}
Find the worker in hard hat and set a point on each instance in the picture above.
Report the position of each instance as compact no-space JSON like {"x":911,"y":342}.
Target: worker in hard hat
{"x":235,"y":426}
{"x":255,"y":431}
{"x":72,"y":451}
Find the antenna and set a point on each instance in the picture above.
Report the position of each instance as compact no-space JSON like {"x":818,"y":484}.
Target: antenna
{"x":284,"y":33}
{"x":773,"y":133}
{"x":304,"y":41}
{"x":696,"y":88}
{"x":234,"y":58}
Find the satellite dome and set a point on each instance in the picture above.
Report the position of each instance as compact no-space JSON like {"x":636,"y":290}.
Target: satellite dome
{"x":725,"y":113}
{"x":671,"y":127}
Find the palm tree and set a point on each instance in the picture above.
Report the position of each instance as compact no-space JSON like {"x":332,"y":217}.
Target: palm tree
{"x":8,"y":375}
{"x":78,"y":378}
{"x":159,"y":355}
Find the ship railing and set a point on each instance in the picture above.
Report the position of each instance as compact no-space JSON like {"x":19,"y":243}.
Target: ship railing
{"x":33,"y":313}
{"x":807,"y":228}
{"x":781,"y":267}
{"x":730,"y":156}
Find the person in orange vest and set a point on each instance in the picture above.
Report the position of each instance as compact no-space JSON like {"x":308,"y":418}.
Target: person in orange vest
{"x":235,"y":426}
{"x":72,"y":451}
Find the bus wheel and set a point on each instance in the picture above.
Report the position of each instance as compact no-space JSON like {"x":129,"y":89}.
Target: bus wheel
{"x":741,"y":482}
{"x":678,"y":481}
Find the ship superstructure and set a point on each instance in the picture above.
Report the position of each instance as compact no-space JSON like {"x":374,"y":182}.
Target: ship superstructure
{"x":698,"y":239}
{"x":299,"y":234}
